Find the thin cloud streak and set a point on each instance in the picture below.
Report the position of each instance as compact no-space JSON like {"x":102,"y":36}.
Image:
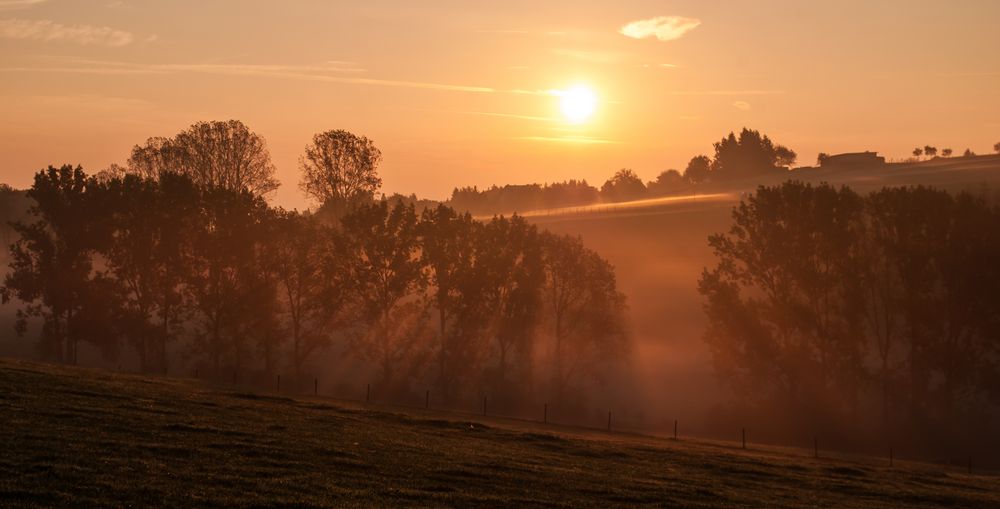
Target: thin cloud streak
{"x":10,"y":5}
{"x":301,"y":73}
{"x":583,"y":140}
{"x":510,"y":115}
{"x":48,"y":31}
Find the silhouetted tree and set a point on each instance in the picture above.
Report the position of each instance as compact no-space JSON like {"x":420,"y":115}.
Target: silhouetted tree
{"x":584,"y":313}
{"x":996,"y":147}
{"x":821,"y":158}
{"x":917,"y":152}
{"x":946,"y":152}
{"x":625,"y":185}
{"x":749,"y":155}
{"x":225,"y":155}
{"x":930,"y":151}
{"x":667,"y":182}
{"x":448,"y":243}
{"x":383,"y":248}
{"x":52,"y":269}
{"x":968,"y":153}
{"x":698,"y":169}
{"x":310,"y":268}
{"x":339,"y":169}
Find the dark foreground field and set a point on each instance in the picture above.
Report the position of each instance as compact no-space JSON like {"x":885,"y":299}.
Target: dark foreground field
{"x":76,"y":437}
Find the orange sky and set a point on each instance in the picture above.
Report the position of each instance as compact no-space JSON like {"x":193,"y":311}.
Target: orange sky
{"x":459,"y":94}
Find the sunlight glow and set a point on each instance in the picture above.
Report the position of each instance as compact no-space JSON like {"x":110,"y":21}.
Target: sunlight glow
{"x":578,"y":103}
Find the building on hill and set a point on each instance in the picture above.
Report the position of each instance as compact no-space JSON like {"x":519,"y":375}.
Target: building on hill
{"x":851,"y":161}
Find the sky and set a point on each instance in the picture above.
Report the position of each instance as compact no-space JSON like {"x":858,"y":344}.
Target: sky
{"x":462,"y":93}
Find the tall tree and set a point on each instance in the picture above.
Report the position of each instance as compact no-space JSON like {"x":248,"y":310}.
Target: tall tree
{"x":225,"y":155}
{"x":447,"y":246}
{"x":383,"y":250}
{"x":584,"y":314}
{"x":698,"y":169}
{"x":52,"y":269}
{"x":340,"y":168}
{"x":749,"y":155}
{"x":623,"y":186}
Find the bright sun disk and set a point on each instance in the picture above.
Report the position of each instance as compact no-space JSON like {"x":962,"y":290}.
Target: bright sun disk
{"x":578,"y":103}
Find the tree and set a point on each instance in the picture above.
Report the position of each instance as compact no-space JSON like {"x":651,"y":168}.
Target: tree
{"x":917,"y":152}
{"x":508,"y":275}
{"x":698,"y":170}
{"x":667,"y":182}
{"x":339,"y":168}
{"x":930,"y":151}
{"x":751,"y":154}
{"x":780,"y":321}
{"x":584,"y":313}
{"x":625,"y":185}
{"x":385,"y":267}
{"x":946,"y":152}
{"x":821,"y":158}
{"x":151,"y":223}
{"x":52,"y":269}
{"x":968,"y":153}
{"x":225,"y":283}
{"x":225,"y":155}
{"x":996,"y":147}
{"x":448,"y":242}
{"x":308,"y":262}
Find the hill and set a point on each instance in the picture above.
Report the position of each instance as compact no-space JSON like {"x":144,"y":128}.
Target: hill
{"x":81,"y":437}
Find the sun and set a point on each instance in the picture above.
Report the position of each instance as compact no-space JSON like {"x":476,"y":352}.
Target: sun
{"x":577,"y":103}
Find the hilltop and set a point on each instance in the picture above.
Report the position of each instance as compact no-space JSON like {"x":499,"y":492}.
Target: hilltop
{"x":81,"y":437}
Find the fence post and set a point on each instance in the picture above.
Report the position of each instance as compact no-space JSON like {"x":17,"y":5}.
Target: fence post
{"x":316,"y":386}
{"x":744,"y":438}
{"x":890,"y":456}
{"x":609,"y":420}
{"x":970,"y":464}
{"x":196,"y":373}
{"x":484,"y":405}
{"x":816,"y":447}
{"x":368,"y":393}
{"x":675,"y":429}
{"x":278,"y":385}
{"x":427,"y":399}
{"x":234,"y":377}
{"x":545,"y":414}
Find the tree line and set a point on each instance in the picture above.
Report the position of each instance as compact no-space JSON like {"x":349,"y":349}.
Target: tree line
{"x":829,"y":306}
{"x":748,"y":155}
{"x":179,"y":260}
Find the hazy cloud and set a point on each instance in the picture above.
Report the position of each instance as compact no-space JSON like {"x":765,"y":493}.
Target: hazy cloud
{"x":741,"y":105}
{"x":664,"y":28}
{"x":48,"y":30}
{"x":9,"y":5}
{"x":583,"y":140}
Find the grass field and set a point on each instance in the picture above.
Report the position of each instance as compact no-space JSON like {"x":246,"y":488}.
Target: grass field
{"x":78,"y":437}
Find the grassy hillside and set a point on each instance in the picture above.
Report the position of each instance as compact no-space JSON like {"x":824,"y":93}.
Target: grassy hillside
{"x":77,"y":437}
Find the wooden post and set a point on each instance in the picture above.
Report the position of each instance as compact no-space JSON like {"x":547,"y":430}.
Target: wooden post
{"x":427,"y":399}
{"x":368,"y":393}
{"x":744,"y":438}
{"x":609,"y":420}
{"x":316,"y":386}
{"x":816,"y":447}
{"x":234,"y":377}
{"x":484,"y":405}
{"x":890,"y":456}
{"x":278,"y":385}
{"x":675,"y":429}
{"x":196,"y":373}
{"x":545,"y":414}
{"x":970,"y":465}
